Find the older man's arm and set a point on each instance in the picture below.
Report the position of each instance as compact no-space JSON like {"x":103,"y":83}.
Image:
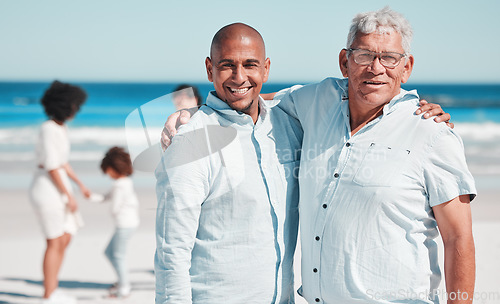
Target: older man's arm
{"x":455,"y":224}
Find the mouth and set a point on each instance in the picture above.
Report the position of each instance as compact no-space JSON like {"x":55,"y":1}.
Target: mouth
{"x":375,"y":83}
{"x":239,"y":91}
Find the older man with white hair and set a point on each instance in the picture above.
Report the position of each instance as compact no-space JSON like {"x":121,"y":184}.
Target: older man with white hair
{"x":376,"y":183}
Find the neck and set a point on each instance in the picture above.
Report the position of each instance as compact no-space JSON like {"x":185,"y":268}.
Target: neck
{"x":253,"y":110}
{"x":255,"y":114}
{"x":359,"y":116}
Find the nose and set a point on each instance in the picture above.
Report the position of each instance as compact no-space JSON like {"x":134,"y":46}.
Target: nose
{"x":239,"y":74}
{"x":376,"y":67}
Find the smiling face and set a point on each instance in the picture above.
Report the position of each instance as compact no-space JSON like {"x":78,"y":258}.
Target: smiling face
{"x":238,"y":68}
{"x":374,"y":85}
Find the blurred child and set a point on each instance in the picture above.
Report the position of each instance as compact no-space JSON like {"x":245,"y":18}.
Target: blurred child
{"x":125,"y":211}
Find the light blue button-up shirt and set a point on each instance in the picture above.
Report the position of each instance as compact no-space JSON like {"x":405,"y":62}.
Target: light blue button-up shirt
{"x":366,"y":221}
{"x":227,"y":214}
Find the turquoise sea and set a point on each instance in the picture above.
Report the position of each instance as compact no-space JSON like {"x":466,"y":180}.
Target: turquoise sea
{"x":108,"y":104}
{"x":475,"y":110}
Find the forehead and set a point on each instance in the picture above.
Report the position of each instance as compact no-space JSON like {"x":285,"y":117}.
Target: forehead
{"x":239,"y":48}
{"x":379,"y":42}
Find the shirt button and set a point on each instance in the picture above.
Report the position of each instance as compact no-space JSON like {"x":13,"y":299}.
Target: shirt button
{"x":324,"y":206}
{"x":317,"y":300}
{"x":348,"y":144}
{"x":317,"y":238}
{"x":336,"y":175}
{"x":315,"y":270}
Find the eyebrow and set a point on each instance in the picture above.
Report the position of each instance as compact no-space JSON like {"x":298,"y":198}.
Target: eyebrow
{"x":225,"y":60}
{"x":232,"y":61}
{"x":252,"y":61}
{"x":363,"y":49}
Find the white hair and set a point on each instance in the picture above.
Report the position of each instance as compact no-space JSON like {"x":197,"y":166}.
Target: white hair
{"x":382,"y":21}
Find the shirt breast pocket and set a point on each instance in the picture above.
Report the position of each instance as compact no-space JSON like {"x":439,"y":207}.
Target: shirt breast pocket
{"x":380,"y":165}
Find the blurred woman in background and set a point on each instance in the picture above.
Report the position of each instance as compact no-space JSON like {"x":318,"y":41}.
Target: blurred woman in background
{"x":51,"y":193}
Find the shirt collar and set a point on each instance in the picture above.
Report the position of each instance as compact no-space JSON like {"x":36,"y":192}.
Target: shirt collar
{"x":223,"y":108}
{"x":398,"y":99}
{"x":342,"y":83}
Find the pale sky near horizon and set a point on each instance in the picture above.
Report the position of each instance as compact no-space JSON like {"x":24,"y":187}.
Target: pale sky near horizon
{"x":167,"y":41}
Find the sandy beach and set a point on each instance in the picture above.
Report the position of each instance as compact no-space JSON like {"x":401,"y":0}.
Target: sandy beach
{"x":86,"y":274}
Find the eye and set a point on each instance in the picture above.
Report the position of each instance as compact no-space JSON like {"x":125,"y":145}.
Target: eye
{"x":365,"y":57}
{"x":226,"y":65}
{"x":389,"y":58}
{"x":250,"y":65}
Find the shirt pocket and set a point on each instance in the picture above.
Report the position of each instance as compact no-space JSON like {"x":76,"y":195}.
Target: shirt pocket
{"x":380,"y":165}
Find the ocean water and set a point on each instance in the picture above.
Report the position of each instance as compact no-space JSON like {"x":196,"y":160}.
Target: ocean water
{"x":101,"y":123}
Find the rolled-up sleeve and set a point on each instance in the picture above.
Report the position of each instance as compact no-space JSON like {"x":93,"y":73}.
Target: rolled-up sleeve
{"x":445,"y":171}
{"x":181,"y":189}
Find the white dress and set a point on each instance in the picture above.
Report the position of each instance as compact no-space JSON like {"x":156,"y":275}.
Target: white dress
{"x":52,"y":152}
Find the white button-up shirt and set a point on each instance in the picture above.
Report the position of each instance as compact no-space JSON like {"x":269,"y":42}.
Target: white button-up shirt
{"x":227,"y":215}
{"x":366,"y":221}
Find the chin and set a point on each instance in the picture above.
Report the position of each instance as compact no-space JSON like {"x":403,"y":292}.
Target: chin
{"x":241,"y":105}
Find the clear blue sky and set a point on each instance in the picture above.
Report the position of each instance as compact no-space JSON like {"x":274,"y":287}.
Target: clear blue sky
{"x":161,"y":41}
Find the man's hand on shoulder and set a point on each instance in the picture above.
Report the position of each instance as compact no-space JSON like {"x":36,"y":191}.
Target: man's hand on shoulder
{"x":174,"y":121}
{"x":434,"y":110}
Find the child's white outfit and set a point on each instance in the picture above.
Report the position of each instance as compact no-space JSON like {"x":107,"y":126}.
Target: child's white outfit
{"x":125,"y":211}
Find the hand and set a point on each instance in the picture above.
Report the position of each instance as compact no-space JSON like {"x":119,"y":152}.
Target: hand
{"x":72,"y":204}
{"x":174,"y":121}
{"x":85,"y":191}
{"x":431,"y":110}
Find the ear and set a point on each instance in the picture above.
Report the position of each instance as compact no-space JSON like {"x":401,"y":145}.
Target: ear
{"x":343,"y":62}
{"x":208,"y":66}
{"x":267,"y":67}
{"x":408,"y":69}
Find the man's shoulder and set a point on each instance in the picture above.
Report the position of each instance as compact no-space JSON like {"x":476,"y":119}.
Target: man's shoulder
{"x":327,"y":90}
{"x":203,"y":117}
{"x":327,"y":83}
{"x":427,"y":129}
{"x":192,"y":137}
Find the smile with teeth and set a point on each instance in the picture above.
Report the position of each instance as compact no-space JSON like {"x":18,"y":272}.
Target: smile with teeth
{"x":239,"y":91}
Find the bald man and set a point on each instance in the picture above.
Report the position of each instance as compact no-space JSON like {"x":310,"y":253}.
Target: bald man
{"x":227,"y":189}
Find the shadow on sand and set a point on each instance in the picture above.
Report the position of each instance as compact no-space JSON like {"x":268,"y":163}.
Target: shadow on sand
{"x":63,"y":283}
{"x":69,"y":284}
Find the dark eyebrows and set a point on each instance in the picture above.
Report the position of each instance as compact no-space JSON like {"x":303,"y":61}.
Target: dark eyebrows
{"x":232,"y":61}
{"x":252,"y":61}
{"x":225,"y":61}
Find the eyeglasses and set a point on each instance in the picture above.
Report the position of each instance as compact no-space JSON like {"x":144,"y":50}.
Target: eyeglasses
{"x":366,"y":57}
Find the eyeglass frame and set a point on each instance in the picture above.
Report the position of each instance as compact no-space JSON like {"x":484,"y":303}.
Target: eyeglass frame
{"x":377,"y":55}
